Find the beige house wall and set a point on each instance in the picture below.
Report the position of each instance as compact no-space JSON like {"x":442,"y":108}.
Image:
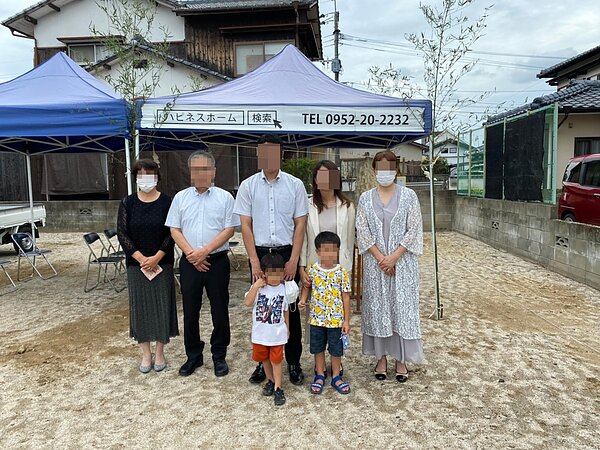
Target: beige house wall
{"x":409,"y":152}
{"x":576,"y":126}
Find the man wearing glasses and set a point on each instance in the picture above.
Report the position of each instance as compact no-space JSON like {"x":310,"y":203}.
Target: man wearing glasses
{"x":202,"y":222}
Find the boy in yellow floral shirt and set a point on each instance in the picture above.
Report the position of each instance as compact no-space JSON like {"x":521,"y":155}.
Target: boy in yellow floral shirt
{"x":329,"y":315}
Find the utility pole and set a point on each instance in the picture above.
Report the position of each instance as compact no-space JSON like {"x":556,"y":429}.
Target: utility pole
{"x":336,"y":64}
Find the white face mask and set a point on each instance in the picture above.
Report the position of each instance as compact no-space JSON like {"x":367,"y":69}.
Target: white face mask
{"x":385,"y":177}
{"x":146,"y":183}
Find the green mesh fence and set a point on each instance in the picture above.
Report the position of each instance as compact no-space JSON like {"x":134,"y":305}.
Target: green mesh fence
{"x":470,"y":170}
{"x":492,"y":165}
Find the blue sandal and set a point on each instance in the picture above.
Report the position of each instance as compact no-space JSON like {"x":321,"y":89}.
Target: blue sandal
{"x":318,"y":386}
{"x":340,"y":387}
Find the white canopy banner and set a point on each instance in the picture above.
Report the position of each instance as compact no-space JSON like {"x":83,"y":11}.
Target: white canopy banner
{"x":284,"y":118}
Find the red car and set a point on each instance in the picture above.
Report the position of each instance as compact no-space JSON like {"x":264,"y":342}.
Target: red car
{"x":580,"y":198}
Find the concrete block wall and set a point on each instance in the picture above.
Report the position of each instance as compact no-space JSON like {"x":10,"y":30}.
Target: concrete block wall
{"x":80,"y":215}
{"x":98,"y":215}
{"x":531,"y":230}
{"x":444,"y":209}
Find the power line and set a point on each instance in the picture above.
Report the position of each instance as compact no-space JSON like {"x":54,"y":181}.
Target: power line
{"x":477,"y":52}
{"x":484,"y":62}
{"x":494,"y":91}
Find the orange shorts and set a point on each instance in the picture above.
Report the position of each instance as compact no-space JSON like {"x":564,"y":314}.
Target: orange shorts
{"x":262,"y":353}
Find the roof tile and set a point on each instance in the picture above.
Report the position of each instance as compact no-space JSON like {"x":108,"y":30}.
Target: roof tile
{"x":580,"y":95}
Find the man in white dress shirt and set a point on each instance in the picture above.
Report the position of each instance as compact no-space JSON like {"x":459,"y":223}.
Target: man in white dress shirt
{"x":202,"y":222}
{"x":272,"y":206}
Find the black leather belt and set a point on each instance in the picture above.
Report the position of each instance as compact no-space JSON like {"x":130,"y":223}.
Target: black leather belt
{"x":217,"y":254}
{"x":280,"y":249}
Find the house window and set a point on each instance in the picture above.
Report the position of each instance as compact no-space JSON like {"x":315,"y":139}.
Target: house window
{"x":249,"y":56}
{"x":85,"y":54}
{"x":587,"y":146}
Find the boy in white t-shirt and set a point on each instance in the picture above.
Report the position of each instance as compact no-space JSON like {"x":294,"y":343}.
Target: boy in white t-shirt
{"x":270,"y":298}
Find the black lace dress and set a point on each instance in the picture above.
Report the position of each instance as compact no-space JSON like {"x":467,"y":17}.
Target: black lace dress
{"x":152,"y":308}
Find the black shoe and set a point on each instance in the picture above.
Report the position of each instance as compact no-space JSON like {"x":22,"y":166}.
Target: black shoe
{"x":221,"y":368}
{"x":269,"y":388}
{"x":279,"y":398}
{"x":258,"y":376}
{"x":190,"y":365}
{"x":402,"y":377}
{"x":296,"y":375}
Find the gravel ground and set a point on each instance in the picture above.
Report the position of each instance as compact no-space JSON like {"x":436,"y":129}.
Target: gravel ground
{"x":513,"y":364}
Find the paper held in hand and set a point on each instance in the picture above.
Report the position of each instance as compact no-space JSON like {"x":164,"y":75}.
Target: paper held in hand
{"x":151,"y":274}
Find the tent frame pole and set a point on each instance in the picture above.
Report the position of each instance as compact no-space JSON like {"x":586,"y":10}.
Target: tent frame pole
{"x":128,"y":167}
{"x":136,"y":148}
{"x":30,"y":192}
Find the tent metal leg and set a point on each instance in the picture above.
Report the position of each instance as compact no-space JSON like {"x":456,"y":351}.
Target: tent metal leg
{"x":128,"y":166}
{"x":30,"y":191}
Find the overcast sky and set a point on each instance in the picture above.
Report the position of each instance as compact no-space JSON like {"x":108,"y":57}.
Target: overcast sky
{"x":531,"y":28}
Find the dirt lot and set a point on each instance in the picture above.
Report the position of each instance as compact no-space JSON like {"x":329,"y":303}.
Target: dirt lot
{"x":514,"y":364}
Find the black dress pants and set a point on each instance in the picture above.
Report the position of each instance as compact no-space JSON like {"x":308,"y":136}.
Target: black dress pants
{"x":293,"y":349}
{"x":216,"y":283}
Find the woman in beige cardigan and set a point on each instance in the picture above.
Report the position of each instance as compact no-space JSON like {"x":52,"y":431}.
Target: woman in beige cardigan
{"x":328,"y":210}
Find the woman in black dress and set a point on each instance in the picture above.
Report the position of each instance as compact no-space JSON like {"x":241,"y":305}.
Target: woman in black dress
{"x":150,"y":255}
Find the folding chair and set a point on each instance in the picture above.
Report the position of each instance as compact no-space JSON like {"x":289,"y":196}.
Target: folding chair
{"x":102,"y":258}
{"x":14,"y":286}
{"x":115,"y":251}
{"x":23,"y":241}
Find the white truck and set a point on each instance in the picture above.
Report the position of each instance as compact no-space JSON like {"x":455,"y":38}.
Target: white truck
{"x":17,"y":217}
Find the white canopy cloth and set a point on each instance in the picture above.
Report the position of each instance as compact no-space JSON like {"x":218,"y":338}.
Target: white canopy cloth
{"x":287,"y":95}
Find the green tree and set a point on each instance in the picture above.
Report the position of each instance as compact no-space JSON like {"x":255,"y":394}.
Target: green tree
{"x":440,"y":166}
{"x":450,"y":36}
{"x":130,"y":33}
{"x":301,"y":168}
{"x":141,"y":46}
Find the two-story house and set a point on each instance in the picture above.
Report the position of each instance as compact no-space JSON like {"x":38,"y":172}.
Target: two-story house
{"x":209,"y":42}
{"x":446,"y":147}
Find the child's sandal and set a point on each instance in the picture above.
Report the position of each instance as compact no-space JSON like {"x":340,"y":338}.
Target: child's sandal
{"x":317,"y":388}
{"x":342,"y":388}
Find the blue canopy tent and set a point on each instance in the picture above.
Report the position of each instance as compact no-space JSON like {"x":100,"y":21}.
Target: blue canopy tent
{"x":289,"y":96}
{"x":59,"y":107}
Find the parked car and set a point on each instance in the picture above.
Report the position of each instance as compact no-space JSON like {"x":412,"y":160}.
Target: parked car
{"x":580,"y":198}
